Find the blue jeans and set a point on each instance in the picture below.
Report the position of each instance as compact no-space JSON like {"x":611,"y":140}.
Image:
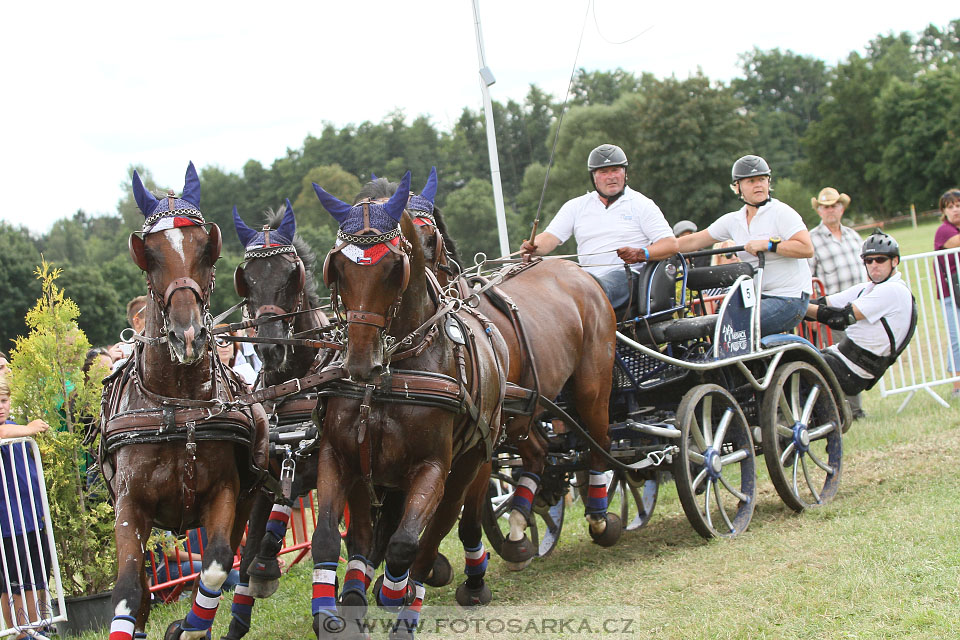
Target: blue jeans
{"x":616,"y":286}
{"x":951,"y":311}
{"x":779,"y":314}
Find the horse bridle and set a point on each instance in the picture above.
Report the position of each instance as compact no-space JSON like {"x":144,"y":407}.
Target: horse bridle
{"x":137,"y":248}
{"x":367,"y":237}
{"x":289,"y":253}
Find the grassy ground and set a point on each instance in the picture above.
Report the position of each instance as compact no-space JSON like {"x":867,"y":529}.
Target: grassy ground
{"x":881,"y":561}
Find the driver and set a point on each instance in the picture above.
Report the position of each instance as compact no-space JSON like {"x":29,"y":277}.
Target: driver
{"x":765,"y":224}
{"x":613,"y":219}
{"x":878,"y":316}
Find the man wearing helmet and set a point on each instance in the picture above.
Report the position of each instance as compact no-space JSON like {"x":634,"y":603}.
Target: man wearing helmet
{"x":765,"y":224}
{"x":612,"y":225}
{"x":878,"y":316}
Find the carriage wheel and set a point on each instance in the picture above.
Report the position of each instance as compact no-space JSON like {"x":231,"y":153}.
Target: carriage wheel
{"x":638,"y":495}
{"x":715,"y":470}
{"x":544,"y":528}
{"x":801,"y":438}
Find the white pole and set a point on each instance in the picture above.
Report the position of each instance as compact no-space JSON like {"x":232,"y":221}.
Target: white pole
{"x":487,"y":79}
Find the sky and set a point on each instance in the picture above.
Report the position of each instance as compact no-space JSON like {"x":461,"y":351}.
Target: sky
{"x":93,"y":88}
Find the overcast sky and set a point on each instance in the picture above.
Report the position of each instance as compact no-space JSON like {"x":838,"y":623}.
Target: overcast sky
{"x":91,"y":88}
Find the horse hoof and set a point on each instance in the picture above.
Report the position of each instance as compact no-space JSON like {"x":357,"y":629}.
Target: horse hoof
{"x":469,"y":598}
{"x":264,"y":568}
{"x":518,"y":551}
{"x":260,"y":588}
{"x":517,"y":566}
{"x":442,"y":573}
{"x":353,"y":605}
{"x":173,"y":631}
{"x":611,"y":533}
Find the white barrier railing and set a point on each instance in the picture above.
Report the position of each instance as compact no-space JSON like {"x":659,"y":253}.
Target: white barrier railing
{"x":26,"y":609}
{"x":928,"y":360}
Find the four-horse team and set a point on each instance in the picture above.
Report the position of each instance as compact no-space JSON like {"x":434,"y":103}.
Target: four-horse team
{"x":398,"y":403}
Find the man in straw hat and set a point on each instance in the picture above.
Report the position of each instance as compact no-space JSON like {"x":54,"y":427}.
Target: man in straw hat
{"x":836,"y":257}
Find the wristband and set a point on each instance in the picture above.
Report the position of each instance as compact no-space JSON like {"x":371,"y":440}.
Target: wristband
{"x":646,"y":254}
{"x":772,"y":244}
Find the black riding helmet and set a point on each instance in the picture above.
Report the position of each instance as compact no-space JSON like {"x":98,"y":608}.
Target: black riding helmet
{"x":606,"y":155}
{"x":747,"y":167}
{"x":879,"y":243}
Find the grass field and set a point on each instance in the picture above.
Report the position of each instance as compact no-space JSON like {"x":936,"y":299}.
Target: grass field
{"x":880,"y":561}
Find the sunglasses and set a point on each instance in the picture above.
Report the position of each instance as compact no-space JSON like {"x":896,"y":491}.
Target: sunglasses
{"x":877,"y":259}
{"x":222,"y":342}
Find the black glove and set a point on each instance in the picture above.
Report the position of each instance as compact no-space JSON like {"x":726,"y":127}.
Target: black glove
{"x":834,"y":318}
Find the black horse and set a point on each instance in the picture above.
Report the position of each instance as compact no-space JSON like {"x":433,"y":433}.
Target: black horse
{"x":276,"y":280}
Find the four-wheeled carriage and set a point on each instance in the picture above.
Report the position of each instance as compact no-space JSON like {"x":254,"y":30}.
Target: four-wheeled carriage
{"x":699,"y":396}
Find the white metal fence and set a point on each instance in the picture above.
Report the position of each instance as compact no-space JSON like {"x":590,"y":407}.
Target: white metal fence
{"x":928,"y":361}
{"x":26,"y":608}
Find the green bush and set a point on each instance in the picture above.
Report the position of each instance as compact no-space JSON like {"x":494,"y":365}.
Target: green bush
{"x":49,"y":383}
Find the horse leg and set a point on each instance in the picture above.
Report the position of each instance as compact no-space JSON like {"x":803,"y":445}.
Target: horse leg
{"x":332,"y":486}
{"x":241,"y":610}
{"x":591,"y":394}
{"x":359,"y":541}
{"x":518,"y":550}
{"x":423,"y":496}
{"x":221,"y":520}
{"x":474,"y":590}
{"x":131,"y":532}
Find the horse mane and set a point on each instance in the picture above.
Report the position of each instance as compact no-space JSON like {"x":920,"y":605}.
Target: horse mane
{"x":383,"y":188}
{"x":304,"y":250}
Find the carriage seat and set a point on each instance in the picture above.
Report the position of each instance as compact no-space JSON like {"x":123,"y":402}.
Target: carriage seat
{"x":721,"y":275}
{"x":677,"y":329}
{"x":655,"y":291}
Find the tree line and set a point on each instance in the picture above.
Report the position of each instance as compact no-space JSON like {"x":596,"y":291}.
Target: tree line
{"x":882,"y":126}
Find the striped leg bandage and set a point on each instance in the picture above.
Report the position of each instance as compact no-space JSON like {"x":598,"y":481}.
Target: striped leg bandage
{"x":122,"y":628}
{"x":596,"y":494}
{"x":278,"y":521}
{"x":526,"y":489}
{"x":242,"y":607}
{"x":393,"y":590}
{"x":200,"y":617}
{"x":325,"y":588}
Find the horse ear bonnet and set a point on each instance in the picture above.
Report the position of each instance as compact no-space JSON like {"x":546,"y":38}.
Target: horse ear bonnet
{"x":424,"y":200}
{"x":383,"y":216}
{"x":182,"y":211}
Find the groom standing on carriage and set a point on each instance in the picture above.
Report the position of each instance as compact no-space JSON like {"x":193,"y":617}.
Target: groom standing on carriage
{"x":612,"y":218}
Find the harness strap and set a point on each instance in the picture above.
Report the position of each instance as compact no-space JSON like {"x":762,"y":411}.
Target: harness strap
{"x":363,"y":442}
{"x":367,"y":317}
{"x":183,"y":283}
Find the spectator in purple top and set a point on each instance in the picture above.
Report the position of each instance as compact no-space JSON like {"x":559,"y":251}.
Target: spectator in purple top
{"x":23,"y":590}
{"x":948,"y":237}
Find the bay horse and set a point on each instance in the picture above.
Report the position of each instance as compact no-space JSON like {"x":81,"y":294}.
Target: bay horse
{"x":177,"y":449}
{"x":423,"y":430}
{"x":536,"y":308}
{"x":276,"y":279}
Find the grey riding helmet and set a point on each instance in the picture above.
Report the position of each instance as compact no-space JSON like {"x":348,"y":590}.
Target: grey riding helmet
{"x":747,"y":167}
{"x":879,"y":243}
{"x":606,"y":155}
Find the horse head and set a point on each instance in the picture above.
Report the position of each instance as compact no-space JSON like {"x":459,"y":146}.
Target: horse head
{"x":177,"y":250}
{"x":273,"y":280}
{"x":369,"y":269}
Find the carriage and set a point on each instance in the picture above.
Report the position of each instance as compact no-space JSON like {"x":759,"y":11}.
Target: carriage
{"x":696,"y":398}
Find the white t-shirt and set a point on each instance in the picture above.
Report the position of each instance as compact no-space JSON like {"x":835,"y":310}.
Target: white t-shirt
{"x":634,"y":220}
{"x":788,"y":277}
{"x":890,"y":300}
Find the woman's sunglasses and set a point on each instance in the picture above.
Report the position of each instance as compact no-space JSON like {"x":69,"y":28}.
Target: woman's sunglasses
{"x":222,"y":342}
{"x":877,"y":259}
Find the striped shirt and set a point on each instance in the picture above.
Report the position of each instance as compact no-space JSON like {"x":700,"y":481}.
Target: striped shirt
{"x":836,"y":262}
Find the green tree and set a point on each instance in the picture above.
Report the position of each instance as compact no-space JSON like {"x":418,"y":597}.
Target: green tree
{"x":48,"y":383}
{"x":20,"y":289}
{"x":104,"y":313}
{"x":471,"y":219}
{"x":601,"y":87}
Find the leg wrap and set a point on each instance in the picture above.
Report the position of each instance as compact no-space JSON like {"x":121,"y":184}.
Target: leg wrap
{"x":200,"y":617}
{"x":325,"y":588}
{"x":242,"y":607}
{"x":526,"y":489}
{"x":597,"y":494}
{"x":356,"y":577}
{"x":476,"y":560}
{"x":393,"y":590}
{"x":368,"y":574}
{"x":122,"y":628}
{"x":277,"y":523}
{"x":409,"y":617}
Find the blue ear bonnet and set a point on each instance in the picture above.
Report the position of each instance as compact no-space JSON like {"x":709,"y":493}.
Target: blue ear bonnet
{"x":153,"y":209}
{"x":384,"y":216}
{"x":424,"y":200}
{"x":253,"y":239}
